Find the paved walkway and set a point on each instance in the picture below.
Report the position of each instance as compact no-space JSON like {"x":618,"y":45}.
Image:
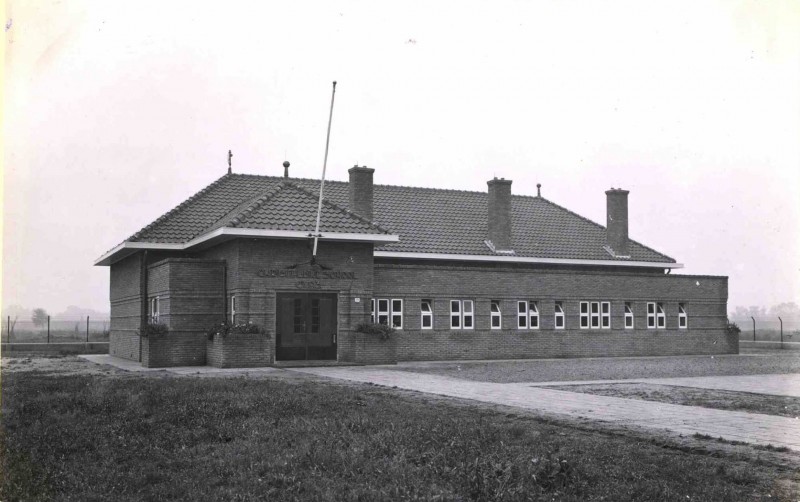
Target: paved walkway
{"x":687,"y":420}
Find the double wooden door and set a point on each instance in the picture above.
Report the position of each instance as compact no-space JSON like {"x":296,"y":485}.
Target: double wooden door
{"x":306,"y":326}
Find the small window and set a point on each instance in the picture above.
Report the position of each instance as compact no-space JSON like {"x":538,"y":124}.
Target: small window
{"x":628,"y":315}
{"x":233,"y":309}
{"x":605,"y":315}
{"x":533,"y":315}
{"x":682,"y":316}
{"x":584,"y":314}
{"x":595,"y":315}
{"x":154,"y":310}
{"x":468,"y":315}
{"x":496,"y":315}
{"x":651,"y":315}
{"x":383,"y":311}
{"x":397,"y":314}
{"x":660,"y":316}
{"x":455,"y":314}
{"x":372,"y":311}
{"x":522,"y":315}
{"x":427,"y":314}
{"x":559,"y":315}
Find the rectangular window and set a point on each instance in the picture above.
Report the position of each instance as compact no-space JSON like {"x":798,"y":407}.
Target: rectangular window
{"x":383,"y":311}
{"x":397,"y":314}
{"x":605,"y":315}
{"x":651,"y":315}
{"x":595,"y":315}
{"x":522,"y":315}
{"x":584,"y":314}
{"x":628,"y":315}
{"x":533,"y":315}
{"x":559,"y":319}
{"x":372,"y":311}
{"x":660,"y":317}
{"x":682,"y":316}
{"x":455,"y":314}
{"x":233,"y":309}
{"x":469,"y":315}
{"x":496,"y":315}
{"x":426,"y":322}
{"x":154,"y":310}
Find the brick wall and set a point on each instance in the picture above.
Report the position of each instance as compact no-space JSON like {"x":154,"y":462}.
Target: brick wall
{"x":705,"y":299}
{"x":176,"y":348}
{"x":125,"y":308}
{"x":369,"y":349}
{"x":240,"y":351}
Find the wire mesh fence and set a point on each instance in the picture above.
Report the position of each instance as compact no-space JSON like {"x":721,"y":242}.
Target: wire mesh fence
{"x":769,"y":328}
{"x":83,"y":329}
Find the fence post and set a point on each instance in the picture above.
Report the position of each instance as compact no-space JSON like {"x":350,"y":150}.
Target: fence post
{"x":754,"y":328}
{"x":8,"y":329}
{"x":48,"y":329}
{"x":87,"y":329}
{"x":781,"y":320}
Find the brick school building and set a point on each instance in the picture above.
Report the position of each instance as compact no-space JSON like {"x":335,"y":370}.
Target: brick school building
{"x":459,"y":275}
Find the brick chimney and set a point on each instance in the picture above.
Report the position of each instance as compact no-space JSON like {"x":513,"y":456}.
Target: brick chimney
{"x":499,"y":214}
{"x":617,"y":221}
{"x":361,"y":191}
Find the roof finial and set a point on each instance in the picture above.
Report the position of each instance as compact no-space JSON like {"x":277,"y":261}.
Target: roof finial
{"x":538,"y":189}
{"x":285,"y":168}
{"x":230,"y":155}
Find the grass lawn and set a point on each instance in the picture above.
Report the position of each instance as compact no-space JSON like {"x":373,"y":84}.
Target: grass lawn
{"x":782,"y":406}
{"x":106,"y":437}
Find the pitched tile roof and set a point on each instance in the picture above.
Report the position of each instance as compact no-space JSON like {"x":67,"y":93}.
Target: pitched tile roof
{"x":427,"y":220}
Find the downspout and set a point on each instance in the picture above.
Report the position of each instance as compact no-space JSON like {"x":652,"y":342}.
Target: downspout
{"x":225,"y":291}
{"x":143,"y":294}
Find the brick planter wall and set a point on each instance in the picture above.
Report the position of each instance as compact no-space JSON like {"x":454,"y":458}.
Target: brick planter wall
{"x":176,"y":348}
{"x":370,"y":349}
{"x":240,"y":350}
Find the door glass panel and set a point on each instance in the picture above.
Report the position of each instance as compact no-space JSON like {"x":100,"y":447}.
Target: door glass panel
{"x":299,"y":324}
{"x":315,"y":315}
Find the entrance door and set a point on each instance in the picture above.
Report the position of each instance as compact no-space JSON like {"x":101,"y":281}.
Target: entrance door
{"x":306,"y":326}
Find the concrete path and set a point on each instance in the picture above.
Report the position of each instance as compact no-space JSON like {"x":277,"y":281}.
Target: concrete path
{"x":687,"y":420}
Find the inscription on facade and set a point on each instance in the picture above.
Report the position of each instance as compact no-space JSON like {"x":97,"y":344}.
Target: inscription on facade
{"x":305,"y":274}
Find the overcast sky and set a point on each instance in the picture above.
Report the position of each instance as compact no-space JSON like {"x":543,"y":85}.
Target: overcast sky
{"x":115,"y":112}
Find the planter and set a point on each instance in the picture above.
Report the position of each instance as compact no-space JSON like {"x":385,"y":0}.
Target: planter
{"x":370,"y":349}
{"x":240,"y":350}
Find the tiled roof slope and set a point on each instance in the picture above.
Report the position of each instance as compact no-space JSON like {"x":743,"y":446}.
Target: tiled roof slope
{"x":427,"y":220}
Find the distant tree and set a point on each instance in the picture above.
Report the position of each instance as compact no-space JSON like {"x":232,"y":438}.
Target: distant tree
{"x":39,"y":317}
{"x":788,"y":310}
{"x":740,"y":313}
{"x":756,"y":311}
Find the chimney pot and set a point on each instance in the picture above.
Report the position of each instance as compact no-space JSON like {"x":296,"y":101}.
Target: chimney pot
{"x":499,"y":221}
{"x":617,"y":221}
{"x":361,"y":191}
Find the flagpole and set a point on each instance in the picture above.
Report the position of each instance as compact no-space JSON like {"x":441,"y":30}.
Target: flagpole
{"x":322,"y":183}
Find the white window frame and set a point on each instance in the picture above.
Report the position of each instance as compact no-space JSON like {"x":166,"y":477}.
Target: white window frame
{"x":455,"y":314}
{"x":584,"y":315}
{"x":661,"y":317}
{"x":533,"y":314}
{"x":383,"y":312}
{"x":467,"y":314}
{"x":495,"y":313}
{"x":396,"y":314}
{"x":683,"y":320}
{"x":154,"y":309}
{"x":372,"y":311}
{"x":522,"y":314}
{"x":651,"y":315}
{"x":559,"y":315}
{"x":233,"y":309}
{"x":605,"y":315}
{"x":426,"y":313}
{"x":629,"y":320}
{"x":594,"y":315}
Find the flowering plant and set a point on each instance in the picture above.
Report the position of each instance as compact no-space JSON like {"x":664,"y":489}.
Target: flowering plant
{"x":226,"y":328}
{"x":153,"y":328}
{"x":382,"y":331}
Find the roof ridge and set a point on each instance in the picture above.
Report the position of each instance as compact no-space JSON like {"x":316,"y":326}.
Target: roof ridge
{"x":584,"y":218}
{"x":342,"y":209}
{"x":177,"y":208}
